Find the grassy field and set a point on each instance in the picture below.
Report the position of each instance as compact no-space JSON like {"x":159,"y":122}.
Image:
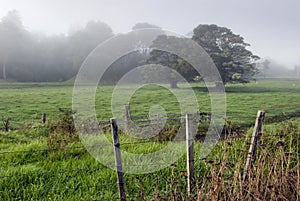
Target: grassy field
{"x":25,"y":102}
{"x":29,"y":170}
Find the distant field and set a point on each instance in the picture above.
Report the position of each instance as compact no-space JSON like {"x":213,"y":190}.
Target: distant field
{"x":25,"y":102}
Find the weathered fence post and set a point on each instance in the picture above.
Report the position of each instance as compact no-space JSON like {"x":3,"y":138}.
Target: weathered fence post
{"x":118,"y":159}
{"x":44,"y":117}
{"x":254,"y":140}
{"x":190,"y":154}
{"x":127,"y":118}
{"x":6,"y":123}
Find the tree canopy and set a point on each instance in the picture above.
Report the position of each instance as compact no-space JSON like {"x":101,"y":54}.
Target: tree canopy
{"x":228,"y":51}
{"x":170,"y":60}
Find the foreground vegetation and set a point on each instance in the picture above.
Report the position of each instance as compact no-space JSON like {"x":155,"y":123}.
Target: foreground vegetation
{"x":72,"y":174}
{"x":43,"y":162}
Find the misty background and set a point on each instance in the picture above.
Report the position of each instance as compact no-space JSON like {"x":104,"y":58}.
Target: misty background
{"x":48,"y":40}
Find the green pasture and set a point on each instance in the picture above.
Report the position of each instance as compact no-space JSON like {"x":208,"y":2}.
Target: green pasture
{"x":29,"y":170}
{"x":24,"y":103}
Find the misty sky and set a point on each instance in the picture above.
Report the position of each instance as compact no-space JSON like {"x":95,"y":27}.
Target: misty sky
{"x":272,"y":27}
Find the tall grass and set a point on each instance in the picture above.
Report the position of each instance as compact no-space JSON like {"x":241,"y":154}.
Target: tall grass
{"x":275,"y":174}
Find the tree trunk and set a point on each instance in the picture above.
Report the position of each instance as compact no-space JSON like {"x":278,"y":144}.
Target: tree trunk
{"x":4,"y":70}
{"x":173,"y":84}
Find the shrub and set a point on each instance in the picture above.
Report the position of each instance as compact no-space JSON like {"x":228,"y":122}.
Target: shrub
{"x":62,"y":132}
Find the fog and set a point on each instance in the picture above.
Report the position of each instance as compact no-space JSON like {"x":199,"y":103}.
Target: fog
{"x":270,"y":27}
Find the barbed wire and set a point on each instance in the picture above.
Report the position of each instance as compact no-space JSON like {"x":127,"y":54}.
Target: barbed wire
{"x":107,"y":123}
{"x":206,"y":115}
{"x":226,"y":137}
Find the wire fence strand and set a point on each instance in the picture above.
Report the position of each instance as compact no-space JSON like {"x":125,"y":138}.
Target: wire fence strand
{"x":234,"y":132}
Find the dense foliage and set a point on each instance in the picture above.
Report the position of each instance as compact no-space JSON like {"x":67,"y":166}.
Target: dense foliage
{"x":228,"y":51}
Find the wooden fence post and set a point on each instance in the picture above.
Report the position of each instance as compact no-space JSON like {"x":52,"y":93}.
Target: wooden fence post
{"x":190,"y":154}
{"x":118,"y":159}
{"x":254,"y":140}
{"x":127,"y":118}
{"x":44,"y":118}
{"x":6,"y":123}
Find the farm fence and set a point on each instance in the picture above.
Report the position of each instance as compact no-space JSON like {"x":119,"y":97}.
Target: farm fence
{"x":188,"y":180}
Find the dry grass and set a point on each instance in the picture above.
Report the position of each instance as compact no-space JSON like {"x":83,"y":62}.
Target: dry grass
{"x":275,"y":174}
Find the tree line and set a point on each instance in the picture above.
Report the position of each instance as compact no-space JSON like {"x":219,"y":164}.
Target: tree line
{"x":26,"y":56}
{"x":30,"y":57}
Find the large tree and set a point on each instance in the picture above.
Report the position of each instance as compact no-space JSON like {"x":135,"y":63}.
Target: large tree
{"x":172,"y":61}
{"x":228,"y":51}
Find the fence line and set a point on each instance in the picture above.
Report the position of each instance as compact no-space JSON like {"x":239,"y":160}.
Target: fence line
{"x":189,"y":150}
{"x":204,"y":116}
{"x":131,"y":143}
{"x":190,"y":158}
{"x":231,"y":117}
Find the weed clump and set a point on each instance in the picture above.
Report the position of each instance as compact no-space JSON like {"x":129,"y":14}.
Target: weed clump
{"x":63,"y":131}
